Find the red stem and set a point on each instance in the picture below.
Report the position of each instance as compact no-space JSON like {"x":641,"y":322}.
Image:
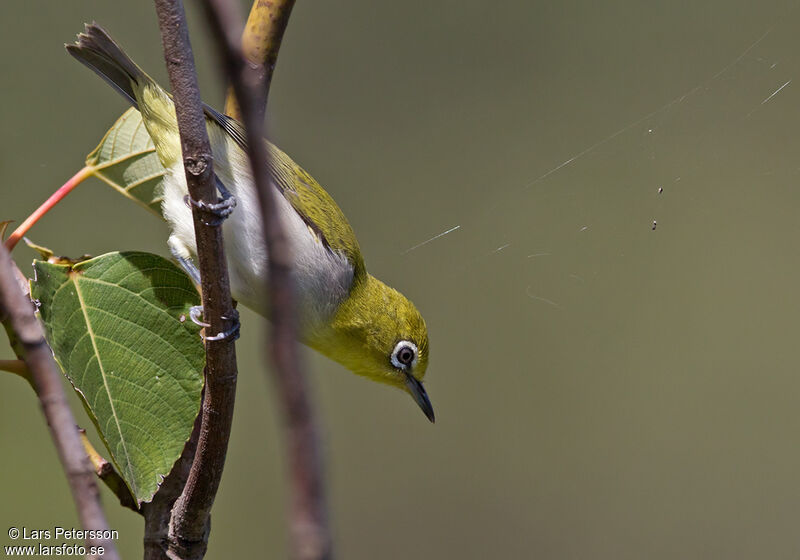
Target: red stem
{"x":48,"y":204}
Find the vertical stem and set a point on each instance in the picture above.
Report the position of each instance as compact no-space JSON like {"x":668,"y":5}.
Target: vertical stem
{"x":310,"y":534}
{"x":190,"y":520}
{"x":261,"y":41}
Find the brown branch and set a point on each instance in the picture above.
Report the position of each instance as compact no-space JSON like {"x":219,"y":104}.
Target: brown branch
{"x":190,"y":519}
{"x":27,"y":337}
{"x":261,"y":41}
{"x":157,"y":513}
{"x":310,"y":535}
{"x":103,"y":469}
{"x":106,"y":472}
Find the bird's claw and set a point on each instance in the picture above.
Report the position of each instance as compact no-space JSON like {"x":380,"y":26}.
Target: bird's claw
{"x":195,"y":314}
{"x":219,"y":210}
{"x":232,"y":333}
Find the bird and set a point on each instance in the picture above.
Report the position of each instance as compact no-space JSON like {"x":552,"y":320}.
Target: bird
{"x":344,"y":312}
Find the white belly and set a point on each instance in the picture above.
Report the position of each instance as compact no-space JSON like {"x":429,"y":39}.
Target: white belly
{"x":322,"y":277}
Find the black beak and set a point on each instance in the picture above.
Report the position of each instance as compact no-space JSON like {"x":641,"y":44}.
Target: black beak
{"x":417,"y":391}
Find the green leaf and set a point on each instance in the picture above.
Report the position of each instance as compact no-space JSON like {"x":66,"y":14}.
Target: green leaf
{"x":126,"y":160}
{"x":118,"y":327}
{"x":45,"y":253}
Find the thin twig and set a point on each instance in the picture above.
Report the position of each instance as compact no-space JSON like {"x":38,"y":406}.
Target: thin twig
{"x":27,"y":337}
{"x":103,"y":469}
{"x":190,"y":519}
{"x":17,"y":367}
{"x":310,"y":535}
{"x":108,"y":474}
{"x":261,"y":42}
{"x":47,"y":205}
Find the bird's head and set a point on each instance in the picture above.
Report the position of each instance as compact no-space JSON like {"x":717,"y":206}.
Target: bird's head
{"x":378,"y":333}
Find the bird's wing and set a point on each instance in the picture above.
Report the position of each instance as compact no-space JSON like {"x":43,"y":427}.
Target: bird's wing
{"x":314,"y":205}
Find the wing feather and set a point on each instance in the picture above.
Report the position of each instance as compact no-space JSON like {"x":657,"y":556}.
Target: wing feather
{"x":312,"y":203}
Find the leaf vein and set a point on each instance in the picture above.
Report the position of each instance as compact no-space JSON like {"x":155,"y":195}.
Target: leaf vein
{"x":103,"y":376}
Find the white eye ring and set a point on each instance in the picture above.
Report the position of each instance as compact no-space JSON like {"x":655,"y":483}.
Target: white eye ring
{"x":404,"y":344}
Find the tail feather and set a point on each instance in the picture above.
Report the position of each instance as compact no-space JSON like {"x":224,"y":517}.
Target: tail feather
{"x":98,"y":51}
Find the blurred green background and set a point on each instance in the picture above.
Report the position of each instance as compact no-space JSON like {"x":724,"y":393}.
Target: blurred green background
{"x":602,"y":390}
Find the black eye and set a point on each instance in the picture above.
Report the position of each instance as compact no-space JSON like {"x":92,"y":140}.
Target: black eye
{"x":405,"y":355}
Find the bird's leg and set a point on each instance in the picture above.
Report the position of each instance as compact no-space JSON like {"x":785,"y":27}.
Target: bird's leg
{"x":220,"y":210}
{"x":196,"y":311}
{"x":180,"y":254}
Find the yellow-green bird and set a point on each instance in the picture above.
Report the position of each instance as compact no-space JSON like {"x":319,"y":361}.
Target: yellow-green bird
{"x":345,"y":313}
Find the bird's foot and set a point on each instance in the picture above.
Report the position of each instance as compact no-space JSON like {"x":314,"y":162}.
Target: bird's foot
{"x":196,"y":314}
{"x":219,"y":210}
